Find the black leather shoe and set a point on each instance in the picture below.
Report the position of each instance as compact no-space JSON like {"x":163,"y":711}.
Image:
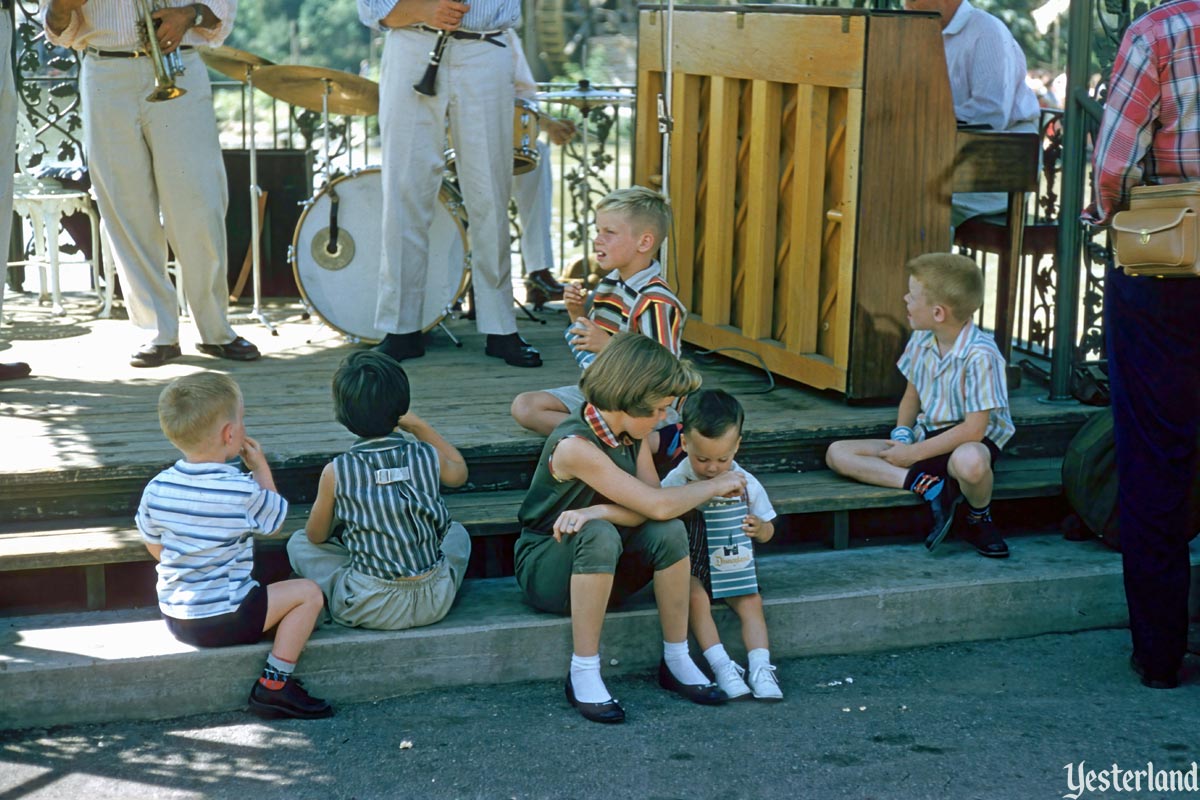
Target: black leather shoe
{"x":290,"y":701}
{"x":706,"y":694}
{"x":541,"y":287}
{"x":986,"y":539}
{"x":609,"y":711}
{"x":1153,"y":680}
{"x":154,"y":355}
{"x":402,"y":346}
{"x":17,"y":369}
{"x":237,"y":350}
{"x":942,"y":508}
{"x":515,"y":351}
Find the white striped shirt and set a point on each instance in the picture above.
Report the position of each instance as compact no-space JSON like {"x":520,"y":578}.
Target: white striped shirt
{"x":484,"y":16}
{"x":112,"y":25}
{"x":388,"y":495}
{"x":969,"y":378}
{"x":205,"y":517}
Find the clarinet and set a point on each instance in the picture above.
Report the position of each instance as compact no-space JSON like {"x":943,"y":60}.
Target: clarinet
{"x":427,"y":85}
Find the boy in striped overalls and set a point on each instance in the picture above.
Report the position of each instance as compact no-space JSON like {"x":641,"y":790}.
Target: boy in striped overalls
{"x":953,"y":418}
{"x":379,"y":540}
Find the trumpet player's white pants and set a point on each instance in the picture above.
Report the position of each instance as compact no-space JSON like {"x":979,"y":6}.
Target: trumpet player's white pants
{"x":8,"y":139}
{"x":475,"y":93}
{"x":159,"y":179}
{"x":534,"y":193}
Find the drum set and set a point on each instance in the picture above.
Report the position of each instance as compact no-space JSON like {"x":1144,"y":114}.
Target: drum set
{"x":335,"y":253}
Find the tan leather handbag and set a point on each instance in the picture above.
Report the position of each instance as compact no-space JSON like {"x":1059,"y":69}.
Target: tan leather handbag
{"x":1158,"y":236}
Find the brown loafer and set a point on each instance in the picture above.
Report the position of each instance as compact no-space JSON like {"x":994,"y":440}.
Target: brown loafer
{"x":237,"y":350}
{"x":154,"y":355}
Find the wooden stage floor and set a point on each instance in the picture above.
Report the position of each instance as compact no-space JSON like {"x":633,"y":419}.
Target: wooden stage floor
{"x":86,"y":411}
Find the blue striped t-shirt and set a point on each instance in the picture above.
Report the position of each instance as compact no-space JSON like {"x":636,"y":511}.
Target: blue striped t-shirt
{"x":205,"y":517}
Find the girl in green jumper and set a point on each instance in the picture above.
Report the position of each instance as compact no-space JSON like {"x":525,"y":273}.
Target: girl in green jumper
{"x":597,"y":526}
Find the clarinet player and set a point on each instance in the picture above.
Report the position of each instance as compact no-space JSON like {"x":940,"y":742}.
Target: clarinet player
{"x":472,"y":87}
{"x":147,"y":156}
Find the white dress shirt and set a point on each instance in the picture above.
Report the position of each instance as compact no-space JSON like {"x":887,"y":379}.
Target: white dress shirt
{"x":112,"y":25}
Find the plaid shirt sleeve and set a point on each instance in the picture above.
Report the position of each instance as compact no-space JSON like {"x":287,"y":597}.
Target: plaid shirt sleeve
{"x":1127,"y":130}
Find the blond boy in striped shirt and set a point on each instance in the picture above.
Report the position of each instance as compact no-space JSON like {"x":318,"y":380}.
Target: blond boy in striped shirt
{"x":953,"y":419}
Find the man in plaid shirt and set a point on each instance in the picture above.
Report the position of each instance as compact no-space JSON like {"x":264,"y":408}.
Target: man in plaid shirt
{"x":1151,"y":135}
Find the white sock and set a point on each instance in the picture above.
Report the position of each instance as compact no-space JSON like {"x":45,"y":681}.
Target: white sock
{"x":681,"y":664}
{"x":716,"y":656}
{"x":586,"y":680}
{"x":759,"y":657}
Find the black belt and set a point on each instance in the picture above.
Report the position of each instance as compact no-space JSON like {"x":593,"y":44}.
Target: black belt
{"x":491,"y":37}
{"x":96,"y":51}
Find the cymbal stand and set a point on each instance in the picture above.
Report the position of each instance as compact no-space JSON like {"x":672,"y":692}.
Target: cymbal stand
{"x":255,"y":227}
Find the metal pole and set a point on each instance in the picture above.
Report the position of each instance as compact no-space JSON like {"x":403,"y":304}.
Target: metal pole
{"x":1070,"y":233}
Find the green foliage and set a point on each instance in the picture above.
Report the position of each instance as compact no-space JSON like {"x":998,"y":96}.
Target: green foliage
{"x":1039,"y":49}
{"x":324,"y":33}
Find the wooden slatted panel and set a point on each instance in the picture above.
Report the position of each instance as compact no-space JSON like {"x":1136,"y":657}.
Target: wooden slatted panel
{"x":848,"y":208}
{"x":807,"y":194}
{"x":721,"y":161}
{"x":685,"y":160}
{"x":761,"y":201}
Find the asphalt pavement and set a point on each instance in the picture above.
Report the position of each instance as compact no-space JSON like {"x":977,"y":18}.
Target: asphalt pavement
{"x":1001,"y":719}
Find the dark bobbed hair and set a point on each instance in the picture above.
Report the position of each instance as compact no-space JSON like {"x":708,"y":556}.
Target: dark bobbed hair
{"x":711,"y":413}
{"x":370,"y":393}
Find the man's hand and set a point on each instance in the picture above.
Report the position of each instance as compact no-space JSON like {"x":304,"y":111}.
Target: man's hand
{"x":445,"y":15}
{"x":58,"y":17}
{"x":574,"y":298}
{"x":589,"y":336}
{"x":170,"y":26}
{"x":559,"y":130}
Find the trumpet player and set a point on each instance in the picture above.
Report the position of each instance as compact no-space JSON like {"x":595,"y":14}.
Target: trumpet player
{"x":154,"y":159}
{"x":470,"y":84}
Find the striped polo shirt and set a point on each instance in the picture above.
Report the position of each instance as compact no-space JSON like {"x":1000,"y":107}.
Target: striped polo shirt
{"x":970,"y":377}
{"x":205,"y":517}
{"x":388,"y":495}
{"x":644,"y":303}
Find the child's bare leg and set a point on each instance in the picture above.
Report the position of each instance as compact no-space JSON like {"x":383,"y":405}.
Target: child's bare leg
{"x":700,"y":616}
{"x":749,"y":608}
{"x":859,"y":459}
{"x":294,"y":606}
{"x":672,"y":593}
{"x":971,"y":466}
{"x":589,"y":601}
{"x":539,"y":412}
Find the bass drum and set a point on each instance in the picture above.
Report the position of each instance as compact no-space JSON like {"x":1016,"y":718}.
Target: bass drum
{"x":343,"y":286}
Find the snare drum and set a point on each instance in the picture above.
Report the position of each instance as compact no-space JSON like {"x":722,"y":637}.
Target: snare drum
{"x":343,"y":286}
{"x":525,"y":134}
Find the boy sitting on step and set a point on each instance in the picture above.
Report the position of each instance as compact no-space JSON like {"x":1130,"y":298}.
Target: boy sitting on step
{"x":379,"y":540}
{"x":712,"y":434}
{"x":953,"y":418}
{"x":198,"y":519}
{"x":596,"y":526}
{"x":631,"y":225}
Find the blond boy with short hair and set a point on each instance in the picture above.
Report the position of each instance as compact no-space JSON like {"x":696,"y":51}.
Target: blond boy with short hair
{"x":953,"y":419}
{"x":198,"y":519}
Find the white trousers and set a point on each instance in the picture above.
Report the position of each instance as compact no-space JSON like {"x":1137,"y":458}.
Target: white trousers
{"x":147,"y":159}
{"x":534,"y":193}
{"x":475,"y":93}
{"x":8,"y":140}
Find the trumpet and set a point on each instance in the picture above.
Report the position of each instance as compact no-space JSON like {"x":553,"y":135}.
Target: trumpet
{"x":166,"y":67}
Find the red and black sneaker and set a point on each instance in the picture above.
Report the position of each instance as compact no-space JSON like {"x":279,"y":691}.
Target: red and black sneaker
{"x":290,"y":701}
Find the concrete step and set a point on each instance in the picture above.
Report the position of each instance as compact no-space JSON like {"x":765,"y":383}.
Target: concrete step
{"x":97,"y":666}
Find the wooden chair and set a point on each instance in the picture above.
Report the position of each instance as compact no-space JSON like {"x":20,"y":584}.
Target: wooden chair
{"x":1012,"y":236}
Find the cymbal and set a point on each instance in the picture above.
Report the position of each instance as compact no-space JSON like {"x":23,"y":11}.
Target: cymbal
{"x":231,"y":62}
{"x":305,"y":86}
{"x":585,"y":96}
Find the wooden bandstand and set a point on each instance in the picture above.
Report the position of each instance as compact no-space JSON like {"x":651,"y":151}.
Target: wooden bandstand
{"x":811,"y":156}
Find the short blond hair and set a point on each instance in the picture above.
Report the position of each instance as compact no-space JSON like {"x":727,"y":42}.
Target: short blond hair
{"x":194,"y":407}
{"x":950,"y":280}
{"x":633,"y":373}
{"x":641,"y":206}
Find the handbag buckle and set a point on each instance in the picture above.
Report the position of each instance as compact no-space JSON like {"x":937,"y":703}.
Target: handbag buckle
{"x":1144,"y":236}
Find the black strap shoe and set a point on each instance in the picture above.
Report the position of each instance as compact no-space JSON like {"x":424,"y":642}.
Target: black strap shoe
{"x":609,"y":711}
{"x":706,"y":694}
{"x":515,"y":351}
{"x":290,"y":701}
{"x":154,"y":355}
{"x":15,"y":370}
{"x":986,"y":540}
{"x":942,"y":507}
{"x":402,"y":346}
{"x":237,"y":350}
{"x":1166,"y":680}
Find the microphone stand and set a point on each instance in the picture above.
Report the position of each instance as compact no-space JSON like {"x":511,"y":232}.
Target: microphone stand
{"x":255,"y":227}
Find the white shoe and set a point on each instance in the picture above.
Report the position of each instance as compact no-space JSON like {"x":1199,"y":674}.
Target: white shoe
{"x":764,"y":684}
{"x":729,"y":678}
